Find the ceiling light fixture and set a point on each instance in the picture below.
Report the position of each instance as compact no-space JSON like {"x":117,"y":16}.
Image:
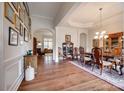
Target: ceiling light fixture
{"x":101,"y":34}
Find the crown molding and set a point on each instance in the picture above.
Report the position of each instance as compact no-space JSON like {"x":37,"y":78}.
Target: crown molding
{"x":43,"y":17}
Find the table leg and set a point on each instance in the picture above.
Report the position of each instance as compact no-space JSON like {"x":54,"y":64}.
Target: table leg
{"x":120,"y":70}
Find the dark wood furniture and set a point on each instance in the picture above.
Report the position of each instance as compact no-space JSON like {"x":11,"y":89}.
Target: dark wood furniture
{"x":82,"y":54}
{"x":113,"y":44}
{"x":98,"y":60}
{"x":34,"y":46}
{"x":76,"y":53}
{"x":107,"y":57}
{"x":67,"y":49}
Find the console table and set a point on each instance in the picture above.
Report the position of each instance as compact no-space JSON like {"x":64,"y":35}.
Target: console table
{"x":30,"y":60}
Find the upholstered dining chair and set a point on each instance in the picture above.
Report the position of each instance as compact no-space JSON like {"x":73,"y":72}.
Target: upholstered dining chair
{"x":98,"y":60}
{"x":75,"y":53}
{"x":81,"y":53}
{"x":83,"y":58}
{"x":60,"y":54}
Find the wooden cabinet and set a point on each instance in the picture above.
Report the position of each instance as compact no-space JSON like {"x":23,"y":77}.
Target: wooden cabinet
{"x":113,"y":44}
{"x":67,"y":49}
{"x":30,"y":60}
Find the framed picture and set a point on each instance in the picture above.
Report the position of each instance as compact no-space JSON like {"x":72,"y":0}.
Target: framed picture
{"x":26,"y":7}
{"x":21,"y":29}
{"x":67,"y":38}
{"x":26,"y":19}
{"x":17,"y":22}
{"x":9,"y":13}
{"x":13,"y":37}
{"x":15,"y":4}
{"x":30,"y":36}
{"x":21,"y":14}
{"x":95,"y":42}
{"x":26,"y":36}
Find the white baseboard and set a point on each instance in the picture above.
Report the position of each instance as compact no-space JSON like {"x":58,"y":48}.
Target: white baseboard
{"x":17,"y":83}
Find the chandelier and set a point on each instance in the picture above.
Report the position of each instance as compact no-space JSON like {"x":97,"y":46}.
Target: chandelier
{"x":101,"y":34}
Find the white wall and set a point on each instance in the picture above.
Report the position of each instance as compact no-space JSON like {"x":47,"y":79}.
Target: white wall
{"x":83,"y":40}
{"x":112,"y":25}
{"x":1,"y":49}
{"x":75,"y":36}
{"x":12,"y":58}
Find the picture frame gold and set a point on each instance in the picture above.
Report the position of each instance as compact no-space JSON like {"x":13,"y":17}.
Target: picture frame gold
{"x":17,"y":22}
{"x":21,"y":14}
{"x":16,"y":5}
{"x":67,"y":38}
{"x":95,"y":42}
{"x":9,"y":12}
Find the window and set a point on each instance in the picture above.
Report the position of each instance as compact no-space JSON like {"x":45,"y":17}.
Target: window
{"x":48,"y":43}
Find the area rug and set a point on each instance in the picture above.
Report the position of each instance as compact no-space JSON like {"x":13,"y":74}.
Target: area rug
{"x":113,"y":78}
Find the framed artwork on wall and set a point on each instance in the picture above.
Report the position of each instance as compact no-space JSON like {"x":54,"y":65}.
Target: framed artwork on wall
{"x":21,"y":29}
{"x":26,"y":36}
{"x":95,"y":42}
{"x":13,"y":37}
{"x":15,"y":4}
{"x":9,"y":12}
{"x":17,"y":22}
{"x":26,"y":19}
{"x":67,"y":38}
{"x":21,"y":14}
{"x":30,"y":36}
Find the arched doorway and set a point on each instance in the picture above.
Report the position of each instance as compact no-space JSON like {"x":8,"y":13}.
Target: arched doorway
{"x":44,"y":42}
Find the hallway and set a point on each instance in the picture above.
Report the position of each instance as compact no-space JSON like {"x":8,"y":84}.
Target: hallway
{"x":64,"y":76}
{"x":57,"y":31}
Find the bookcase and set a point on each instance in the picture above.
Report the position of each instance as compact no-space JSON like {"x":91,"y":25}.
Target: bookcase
{"x":67,"y":49}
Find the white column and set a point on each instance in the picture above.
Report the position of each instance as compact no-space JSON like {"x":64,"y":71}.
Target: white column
{"x":55,"y":47}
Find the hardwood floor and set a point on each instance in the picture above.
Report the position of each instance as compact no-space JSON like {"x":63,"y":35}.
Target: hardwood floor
{"x":64,"y":76}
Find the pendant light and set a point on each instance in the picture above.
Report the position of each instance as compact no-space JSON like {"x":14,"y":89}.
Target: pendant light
{"x":101,"y":34}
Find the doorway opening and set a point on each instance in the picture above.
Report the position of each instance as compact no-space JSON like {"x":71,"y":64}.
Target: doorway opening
{"x":44,"y":43}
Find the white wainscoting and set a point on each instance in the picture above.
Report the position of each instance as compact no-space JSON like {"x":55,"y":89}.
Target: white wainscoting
{"x":14,"y":73}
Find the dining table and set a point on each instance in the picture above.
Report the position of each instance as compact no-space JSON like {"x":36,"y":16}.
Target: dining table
{"x":118,"y":61}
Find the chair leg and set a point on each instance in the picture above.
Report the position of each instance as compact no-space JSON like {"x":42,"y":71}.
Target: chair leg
{"x":110,"y":67}
{"x":93,"y":67}
{"x":101,"y":68}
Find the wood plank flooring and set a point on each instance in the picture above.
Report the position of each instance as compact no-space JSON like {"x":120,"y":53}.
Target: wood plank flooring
{"x":64,"y":76}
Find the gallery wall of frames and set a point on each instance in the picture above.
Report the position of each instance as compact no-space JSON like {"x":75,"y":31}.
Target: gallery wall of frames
{"x":17,"y":13}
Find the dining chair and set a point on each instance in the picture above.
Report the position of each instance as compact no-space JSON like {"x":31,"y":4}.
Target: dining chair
{"x":83,"y":58}
{"x":76,"y":53}
{"x":98,"y":60}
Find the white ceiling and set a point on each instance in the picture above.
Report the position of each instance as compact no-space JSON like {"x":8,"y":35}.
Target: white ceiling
{"x":47,"y":10}
{"x":44,"y":33}
{"x":88,"y":14}
{"x":85,"y":15}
